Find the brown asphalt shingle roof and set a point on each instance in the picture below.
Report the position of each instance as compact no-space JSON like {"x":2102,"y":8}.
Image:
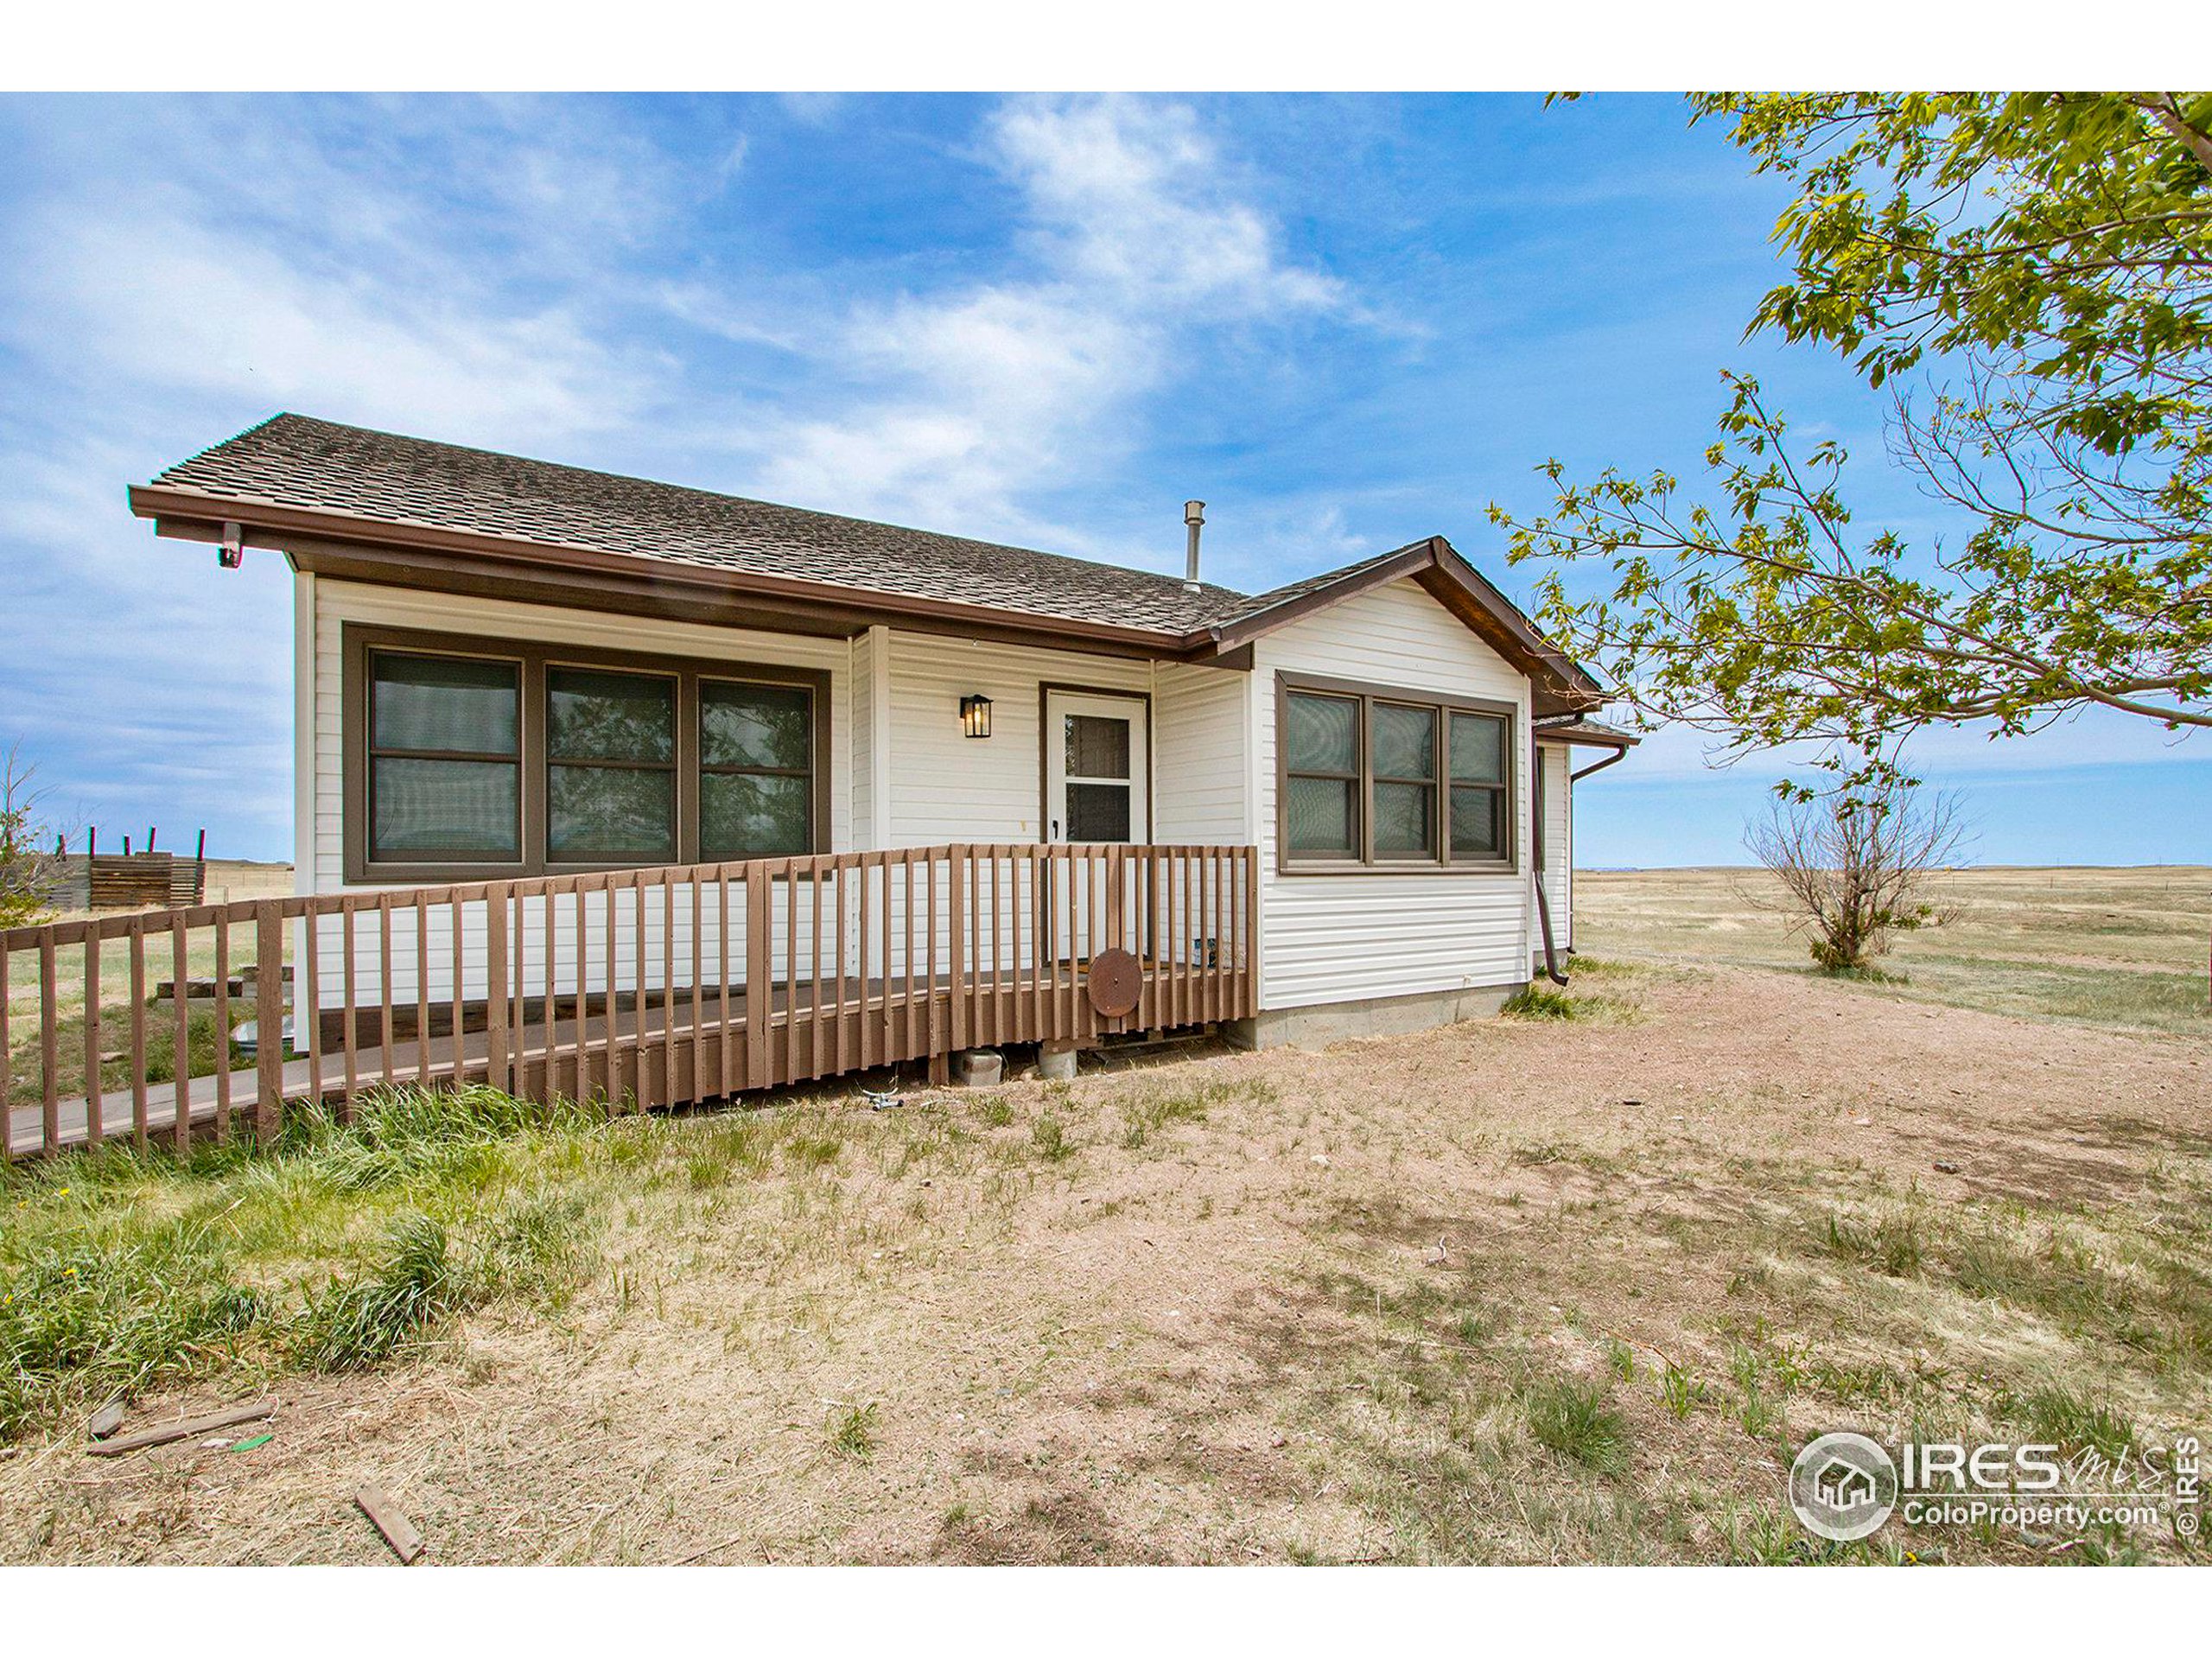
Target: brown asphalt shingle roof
{"x":294,"y":461}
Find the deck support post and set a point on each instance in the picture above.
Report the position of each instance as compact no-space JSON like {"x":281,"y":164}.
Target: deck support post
{"x":759,"y":974}
{"x":269,"y":1022}
{"x":496,"y":1038}
{"x":956,"y":936}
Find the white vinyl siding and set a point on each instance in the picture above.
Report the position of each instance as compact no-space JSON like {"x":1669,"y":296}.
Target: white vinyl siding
{"x":1198,"y":755}
{"x":1346,"y":937}
{"x":1559,"y":843}
{"x":947,"y":787}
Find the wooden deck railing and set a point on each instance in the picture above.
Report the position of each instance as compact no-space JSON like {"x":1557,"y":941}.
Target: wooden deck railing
{"x":641,"y":987}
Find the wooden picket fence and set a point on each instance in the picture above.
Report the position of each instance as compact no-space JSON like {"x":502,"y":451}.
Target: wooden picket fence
{"x":642,"y":988}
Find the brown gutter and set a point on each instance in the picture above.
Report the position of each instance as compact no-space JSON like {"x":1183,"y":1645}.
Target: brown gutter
{"x":198,"y":515}
{"x":1612,"y":760}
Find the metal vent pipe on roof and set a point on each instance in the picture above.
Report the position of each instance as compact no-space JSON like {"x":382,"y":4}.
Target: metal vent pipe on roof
{"x":1194,"y":515}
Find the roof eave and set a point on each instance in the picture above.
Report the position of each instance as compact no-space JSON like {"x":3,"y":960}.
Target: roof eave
{"x":201,"y":515}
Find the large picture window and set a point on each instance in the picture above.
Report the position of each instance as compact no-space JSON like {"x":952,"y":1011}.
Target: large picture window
{"x":1373,"y":778}
{"x":465,"y":761}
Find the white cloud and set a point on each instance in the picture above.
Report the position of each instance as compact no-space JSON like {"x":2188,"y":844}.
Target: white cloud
{"x":957,"y":409}
{"x":180,"y":305}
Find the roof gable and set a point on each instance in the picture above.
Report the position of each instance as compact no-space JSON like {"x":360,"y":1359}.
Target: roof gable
{"x":1562,"y":686}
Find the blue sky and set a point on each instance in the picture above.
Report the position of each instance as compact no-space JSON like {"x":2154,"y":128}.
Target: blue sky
{"x":1345,"y":322}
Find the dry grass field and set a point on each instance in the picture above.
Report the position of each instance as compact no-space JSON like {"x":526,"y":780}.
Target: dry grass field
{"x":1536,"y":1289}
{"x":2124,"y":949}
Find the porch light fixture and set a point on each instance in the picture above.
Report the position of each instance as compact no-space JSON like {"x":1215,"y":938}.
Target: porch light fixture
{"x":975,"y":715}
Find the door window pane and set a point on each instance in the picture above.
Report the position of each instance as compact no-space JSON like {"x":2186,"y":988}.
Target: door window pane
{"x":597,"y":814}
{"x":1320,"y":817}
{"x":1405,"y":743}
{"x":766,"y":727}
{"x":1478,"y":749}
{"x":444,"y":702}
{"x":592,"y":715}
{"x":754,"y":815}
{"x":1098,"y":812}
{"x":1097,"y":747}
{"x":1323,"y":733}
{"x":1405,"y":819}
{"x":429,"y":808}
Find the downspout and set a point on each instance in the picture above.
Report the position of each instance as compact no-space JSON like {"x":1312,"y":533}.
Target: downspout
{"x":1536,"y":873}
{"x":1544,"y":917}
{"x":1543,"y":901}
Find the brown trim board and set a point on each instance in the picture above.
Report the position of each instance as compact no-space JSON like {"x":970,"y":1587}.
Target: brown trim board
{"x":1445,"y":703}
{"x":533,"y":658}
{"x":1045,"y":689}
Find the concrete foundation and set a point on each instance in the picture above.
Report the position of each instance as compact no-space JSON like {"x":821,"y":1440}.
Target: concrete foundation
{"x":1056,"y":1060}
{"x":981,"y":1068}
{"x":1323,"y":1023}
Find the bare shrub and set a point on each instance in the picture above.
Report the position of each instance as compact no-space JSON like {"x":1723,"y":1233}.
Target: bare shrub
{"x":29,"y":869}
{"x":1855,"y":868}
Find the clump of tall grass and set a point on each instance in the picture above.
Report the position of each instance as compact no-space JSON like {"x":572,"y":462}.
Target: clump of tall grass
{"x":364,"y":1317}
{"x":80,"y":1319}
{"x":1539,"y":1002}
{"x":1574,"y":1419}
{"x":1890,"y":1246}
{"x":122,"y":1271}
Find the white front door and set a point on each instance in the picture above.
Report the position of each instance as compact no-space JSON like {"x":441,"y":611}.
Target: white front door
{"x":1096,"y":768}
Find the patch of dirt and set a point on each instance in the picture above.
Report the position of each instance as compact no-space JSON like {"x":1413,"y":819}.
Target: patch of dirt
{"x":1145,"y":1354}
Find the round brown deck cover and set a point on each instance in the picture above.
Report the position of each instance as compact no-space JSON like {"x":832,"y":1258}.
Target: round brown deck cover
{"x":1116,"y":976}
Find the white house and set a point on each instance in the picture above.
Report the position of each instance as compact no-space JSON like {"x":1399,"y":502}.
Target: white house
{"x":1318,"y":811}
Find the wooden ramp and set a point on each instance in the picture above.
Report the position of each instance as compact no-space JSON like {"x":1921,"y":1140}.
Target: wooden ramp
{"x":631,"y":986}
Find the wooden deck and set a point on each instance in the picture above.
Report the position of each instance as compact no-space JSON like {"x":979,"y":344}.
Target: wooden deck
{"x":876,"y":959}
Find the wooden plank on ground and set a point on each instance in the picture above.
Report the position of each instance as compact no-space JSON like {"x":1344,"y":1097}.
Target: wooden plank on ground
{"x":184,"y":1428}
{"x":399,"y":1531}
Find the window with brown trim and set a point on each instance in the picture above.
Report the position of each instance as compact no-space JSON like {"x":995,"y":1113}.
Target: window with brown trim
{"x":610,"y":778}
{"x":444,"y":758}
{"x":756,"y":769}
{"x":1321,"y":793}
{"x":1375,"y":778}
{"x":465,"y":761}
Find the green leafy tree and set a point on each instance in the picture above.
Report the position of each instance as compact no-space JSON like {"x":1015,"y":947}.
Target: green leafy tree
{"x":2026,"y":276}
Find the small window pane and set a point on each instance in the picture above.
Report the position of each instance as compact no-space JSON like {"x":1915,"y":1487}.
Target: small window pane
{"x":1322,"y":734}
{"x":444,"y":702}
{"x":746,"y":815}
{"x":425,"y":808}
{"x":1478,"y":823}
{"x":755,"y":726}
{"x":1405,"y":743}
{"x":1321,"y":816}
{"x":596,"y":813}
{"x":1478,"y":749}
{"x":1405,"y":817}
{"x":1098,"y":812}
{"x":1097,"y":747}
{"x":600,"y":717}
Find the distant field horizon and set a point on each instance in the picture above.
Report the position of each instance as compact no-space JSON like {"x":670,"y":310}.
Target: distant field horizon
{"x":1661,"y":869}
